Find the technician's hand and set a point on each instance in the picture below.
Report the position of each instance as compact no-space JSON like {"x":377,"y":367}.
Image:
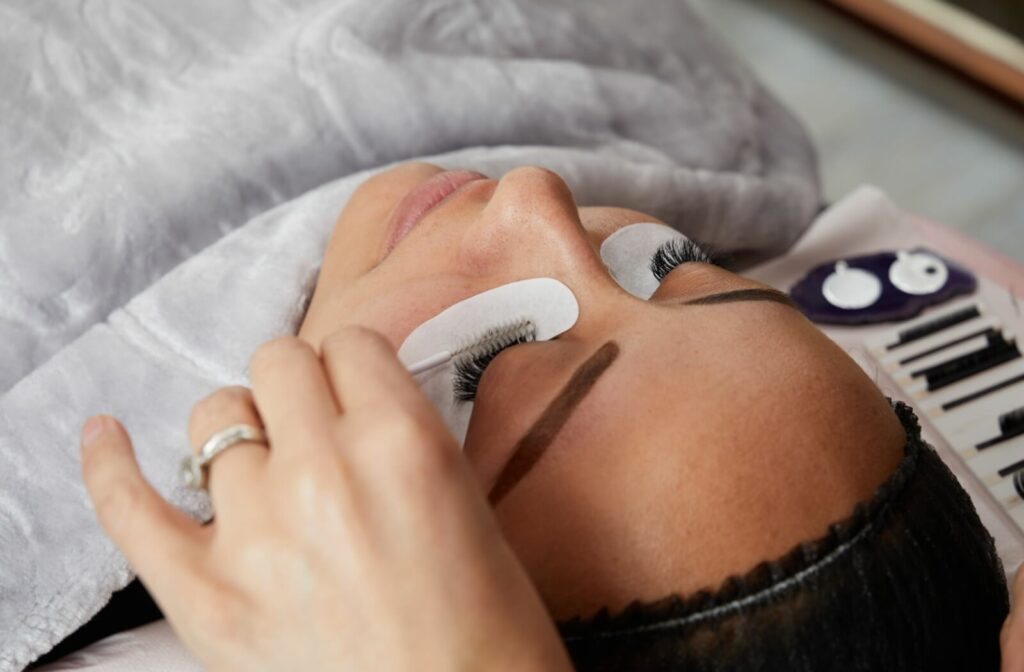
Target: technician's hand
{"x":358,"y":541}
{"x":1011,"y":639}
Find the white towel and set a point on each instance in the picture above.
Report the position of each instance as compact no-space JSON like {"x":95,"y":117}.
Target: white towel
{"x":142,"y":141}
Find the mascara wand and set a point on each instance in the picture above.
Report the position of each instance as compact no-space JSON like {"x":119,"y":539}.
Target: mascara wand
{"x":487,"y":342}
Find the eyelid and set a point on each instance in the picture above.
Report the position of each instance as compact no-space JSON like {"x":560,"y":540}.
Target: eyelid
{"x":487,"y":368}
{"x":521,"y":363}
{"x":674,"y":253}
{"x":692,"y":281}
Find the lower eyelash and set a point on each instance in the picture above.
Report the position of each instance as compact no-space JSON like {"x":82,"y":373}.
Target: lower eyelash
{"x":674,"y":252}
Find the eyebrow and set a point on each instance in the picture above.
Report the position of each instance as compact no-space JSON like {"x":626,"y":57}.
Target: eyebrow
{"x":751,"y":294}
{"x":531,"y":447}
{"x":542,"y":433}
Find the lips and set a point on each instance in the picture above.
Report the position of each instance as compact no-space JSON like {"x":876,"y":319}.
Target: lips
{"x":420,"y":200}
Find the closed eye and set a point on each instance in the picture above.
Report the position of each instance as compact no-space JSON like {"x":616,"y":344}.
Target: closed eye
{"x":470,"y":369}
{"x":669,"y":255}
{"x":675,"y":252}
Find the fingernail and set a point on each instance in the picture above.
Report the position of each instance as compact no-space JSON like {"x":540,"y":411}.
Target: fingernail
{"x":93,"y":427}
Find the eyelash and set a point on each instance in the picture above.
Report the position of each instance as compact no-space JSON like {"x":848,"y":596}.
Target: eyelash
{"x":470,"y":369}
{"x":669,"y":255}
{"x":675,"y":252}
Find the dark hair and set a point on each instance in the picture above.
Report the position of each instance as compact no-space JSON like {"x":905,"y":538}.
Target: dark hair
{"x":910,"y":581}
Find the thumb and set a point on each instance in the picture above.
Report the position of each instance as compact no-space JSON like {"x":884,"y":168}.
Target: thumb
{"x":157,"y":538}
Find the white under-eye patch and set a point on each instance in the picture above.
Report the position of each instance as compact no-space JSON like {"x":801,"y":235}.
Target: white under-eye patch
{"x":548,"y":303}
{"x":627,"y":254}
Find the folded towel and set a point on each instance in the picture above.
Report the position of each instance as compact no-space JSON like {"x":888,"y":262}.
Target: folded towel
{"x":137,"y":273}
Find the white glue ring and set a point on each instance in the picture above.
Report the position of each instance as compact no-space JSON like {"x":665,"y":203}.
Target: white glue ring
{"x":918,"y":273}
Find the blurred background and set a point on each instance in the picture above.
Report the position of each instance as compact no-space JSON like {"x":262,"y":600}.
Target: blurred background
{"x":882,"y":113}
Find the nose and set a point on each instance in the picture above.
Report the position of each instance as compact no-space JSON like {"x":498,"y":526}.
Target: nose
{"x":531,"y":223}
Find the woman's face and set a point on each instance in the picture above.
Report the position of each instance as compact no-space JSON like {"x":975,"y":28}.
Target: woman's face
{"x":683,"y":439}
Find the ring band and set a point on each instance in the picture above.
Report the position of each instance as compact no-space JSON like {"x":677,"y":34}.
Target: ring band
{"x":194,"y":468}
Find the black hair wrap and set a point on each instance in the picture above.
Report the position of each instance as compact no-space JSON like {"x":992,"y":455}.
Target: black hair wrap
{"x":910,"y":581}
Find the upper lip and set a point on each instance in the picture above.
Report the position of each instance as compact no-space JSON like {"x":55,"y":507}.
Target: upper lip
{"x":420,"y":200}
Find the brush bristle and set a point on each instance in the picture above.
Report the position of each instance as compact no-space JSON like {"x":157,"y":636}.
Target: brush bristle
{"x":497,"y":338}
{"x":476,"y":353}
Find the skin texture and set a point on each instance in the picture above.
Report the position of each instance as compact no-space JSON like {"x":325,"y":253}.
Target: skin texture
{"x":359,"y":541}
{"x":656,"y":447}
{"x":1011,"y":638}
{"x":529,"y":450}
{"x":722,"y":434}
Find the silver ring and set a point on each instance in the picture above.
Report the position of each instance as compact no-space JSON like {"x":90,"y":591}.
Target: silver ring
{"x":194,"y":467}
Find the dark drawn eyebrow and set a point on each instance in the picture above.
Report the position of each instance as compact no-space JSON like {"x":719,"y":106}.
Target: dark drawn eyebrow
{"x":531,"y":447}
{"x":751,"y":294}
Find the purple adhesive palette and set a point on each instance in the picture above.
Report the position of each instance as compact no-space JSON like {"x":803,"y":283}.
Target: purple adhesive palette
{"x":881,"y":287}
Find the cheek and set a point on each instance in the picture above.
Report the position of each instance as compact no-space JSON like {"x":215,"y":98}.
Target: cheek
{"x":359,"y":230}
{"x":393,"y":310}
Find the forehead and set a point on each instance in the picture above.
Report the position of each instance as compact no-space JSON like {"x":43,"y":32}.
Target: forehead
{"x":693,"y":366}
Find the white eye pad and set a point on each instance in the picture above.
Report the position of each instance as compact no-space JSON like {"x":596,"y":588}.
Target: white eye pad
{"x":627,"y":254}
{"x":548,"y":303}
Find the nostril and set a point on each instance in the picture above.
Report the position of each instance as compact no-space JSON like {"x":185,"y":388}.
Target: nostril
{"x":531,"y":220}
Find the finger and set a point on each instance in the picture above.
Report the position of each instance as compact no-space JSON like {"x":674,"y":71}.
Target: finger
{"x":367,"y":375}
{"x":161,"y":543}
{"x":293,"y":396}
{"x":236,"y":472}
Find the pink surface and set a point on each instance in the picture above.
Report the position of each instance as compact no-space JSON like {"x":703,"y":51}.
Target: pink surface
{"x":998,"y":268}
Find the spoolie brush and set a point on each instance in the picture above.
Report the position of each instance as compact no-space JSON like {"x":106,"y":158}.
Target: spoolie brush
{"x":482,"y":346}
